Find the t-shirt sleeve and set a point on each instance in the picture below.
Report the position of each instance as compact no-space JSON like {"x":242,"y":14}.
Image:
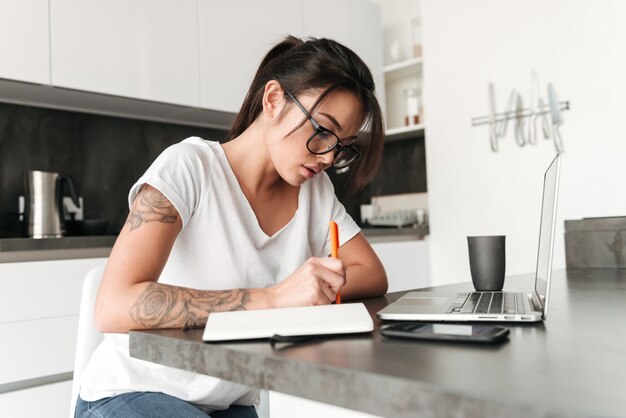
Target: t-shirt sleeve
{"x":347,"y":227}
{"x":177,"y":173}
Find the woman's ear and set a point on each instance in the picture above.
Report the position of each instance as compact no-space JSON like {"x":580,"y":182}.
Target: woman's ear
{"x":273,"y":99}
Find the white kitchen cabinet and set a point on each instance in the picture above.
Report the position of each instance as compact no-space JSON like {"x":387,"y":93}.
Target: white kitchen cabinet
{"x":407,"y":263}
{"x":193,"y":53}
{"x":233,"y":40}
{"x":354,"y":23}
{"x":42,"y":289}
{"x":51,"y":401}
{"x":39,"y":306}
{"x":38,"y":348}
{"x":234,"y":37}
{"x":285,"y":406}
{"x":144,"y":49}
{"x":24,"y":41}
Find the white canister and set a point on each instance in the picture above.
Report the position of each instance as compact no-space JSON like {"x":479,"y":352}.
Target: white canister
{"x":412,"y":107}
{"x":367,"y":212}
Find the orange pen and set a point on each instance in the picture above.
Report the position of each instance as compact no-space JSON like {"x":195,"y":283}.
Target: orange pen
{"x":334,"y":250}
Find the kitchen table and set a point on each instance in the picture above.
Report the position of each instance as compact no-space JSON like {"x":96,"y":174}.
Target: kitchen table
{"x":573,"y":364}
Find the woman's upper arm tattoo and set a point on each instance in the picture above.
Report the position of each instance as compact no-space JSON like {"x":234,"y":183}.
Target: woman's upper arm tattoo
{"x":151,"y":205}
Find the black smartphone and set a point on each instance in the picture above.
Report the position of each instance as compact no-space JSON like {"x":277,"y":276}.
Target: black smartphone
{"x":446,"y":332}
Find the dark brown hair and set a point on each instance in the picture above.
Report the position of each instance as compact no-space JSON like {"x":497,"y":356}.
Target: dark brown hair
{"x":303,"y":65}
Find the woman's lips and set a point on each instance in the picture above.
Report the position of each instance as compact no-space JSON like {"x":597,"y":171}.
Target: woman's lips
{"x":308,"y":172}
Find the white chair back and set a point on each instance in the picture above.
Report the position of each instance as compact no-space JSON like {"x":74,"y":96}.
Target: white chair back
{"x":88,"y":336}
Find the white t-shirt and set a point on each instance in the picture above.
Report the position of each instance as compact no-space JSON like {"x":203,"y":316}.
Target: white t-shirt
{"x":220,"y":246}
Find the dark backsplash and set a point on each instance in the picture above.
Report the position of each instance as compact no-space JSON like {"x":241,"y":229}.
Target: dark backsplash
{"x":403,"y":170}
{"x":106,"y":155}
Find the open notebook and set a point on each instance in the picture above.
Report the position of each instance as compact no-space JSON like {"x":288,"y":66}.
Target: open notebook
{"x":345,"y":318}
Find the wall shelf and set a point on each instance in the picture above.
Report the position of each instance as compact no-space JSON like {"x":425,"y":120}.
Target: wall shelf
{"x":403,"y":69}
{"x":404,"y":132}
{"x":403,"y":64}
{"x":398,"y":78}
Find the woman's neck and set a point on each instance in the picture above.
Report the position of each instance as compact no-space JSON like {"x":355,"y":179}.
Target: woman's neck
{"x":248,"y":157}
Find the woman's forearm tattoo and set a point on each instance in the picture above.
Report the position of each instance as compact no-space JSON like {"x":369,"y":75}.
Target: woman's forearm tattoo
{"x":151,"y":205}
{"x":165,"y":306}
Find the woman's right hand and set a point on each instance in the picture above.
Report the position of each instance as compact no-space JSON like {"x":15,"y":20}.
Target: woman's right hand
{"x":316,"y":282}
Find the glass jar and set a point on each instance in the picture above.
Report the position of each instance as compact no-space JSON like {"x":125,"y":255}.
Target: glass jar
{"x":412,"y":107}
{"x":416,"y":37}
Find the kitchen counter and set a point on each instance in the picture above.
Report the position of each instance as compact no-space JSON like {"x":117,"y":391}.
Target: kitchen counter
{"x":381,"y":234}
{"x":570,"y":365}
{"x":28,"y":249}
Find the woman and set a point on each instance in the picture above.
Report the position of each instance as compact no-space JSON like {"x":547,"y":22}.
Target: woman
{"x":243,"y":225}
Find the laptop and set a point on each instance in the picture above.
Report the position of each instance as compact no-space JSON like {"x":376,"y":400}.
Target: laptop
{"x":529,"y":306}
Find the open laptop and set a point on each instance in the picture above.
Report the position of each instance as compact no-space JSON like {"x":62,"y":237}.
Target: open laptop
{"x":492,"y":306}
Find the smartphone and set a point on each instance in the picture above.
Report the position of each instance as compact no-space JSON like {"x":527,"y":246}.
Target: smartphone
{"x":485,"y":334}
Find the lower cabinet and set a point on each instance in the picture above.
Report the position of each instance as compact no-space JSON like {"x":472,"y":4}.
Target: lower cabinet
{"x":39,"y":306}
{"x":51,"y":401}
{"x":285,"y":406}
{"x":407,"y":263}
{"x":38,"y":348}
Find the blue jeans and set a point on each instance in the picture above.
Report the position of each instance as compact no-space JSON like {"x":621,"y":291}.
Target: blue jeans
{"x":153,"y":405}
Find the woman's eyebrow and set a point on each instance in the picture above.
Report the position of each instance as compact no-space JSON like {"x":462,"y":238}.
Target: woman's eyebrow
{"x":337,"y":125}
{"x":333,"y":120}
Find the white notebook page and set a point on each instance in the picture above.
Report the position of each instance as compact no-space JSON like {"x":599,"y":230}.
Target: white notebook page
{"x":344,"y":318}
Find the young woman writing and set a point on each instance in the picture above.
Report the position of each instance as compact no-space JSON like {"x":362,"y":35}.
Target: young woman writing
{"x":239,"y":225}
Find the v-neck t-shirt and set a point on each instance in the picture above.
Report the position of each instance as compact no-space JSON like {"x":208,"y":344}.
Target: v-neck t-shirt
{"x":220,"y":246}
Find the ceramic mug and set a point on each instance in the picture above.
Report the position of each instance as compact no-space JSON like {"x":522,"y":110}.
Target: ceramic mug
{"x":487,"y":258}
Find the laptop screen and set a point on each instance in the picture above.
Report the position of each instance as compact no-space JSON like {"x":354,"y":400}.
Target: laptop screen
{"x":546,"y":232}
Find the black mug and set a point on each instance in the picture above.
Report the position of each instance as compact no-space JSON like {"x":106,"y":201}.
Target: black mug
{"x":487,"y":258}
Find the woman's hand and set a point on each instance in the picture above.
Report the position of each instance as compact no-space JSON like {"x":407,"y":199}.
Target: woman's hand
{"x":316,"y":282}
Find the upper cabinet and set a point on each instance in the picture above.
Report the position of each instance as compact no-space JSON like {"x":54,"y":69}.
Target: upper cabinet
{"x":150,"y":57}
{"x":24,"y":46}
{"x":354,"y":23}
{"x":234,"y":36}
{"x":143,"y":49}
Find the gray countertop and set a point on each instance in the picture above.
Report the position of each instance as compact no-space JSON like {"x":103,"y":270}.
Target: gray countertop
{"x":570,"y":365}
{"x":377,"y":235}
{"x":28,"y":249}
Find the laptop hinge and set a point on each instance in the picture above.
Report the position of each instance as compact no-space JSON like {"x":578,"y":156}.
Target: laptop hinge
{"x":535,"y":302}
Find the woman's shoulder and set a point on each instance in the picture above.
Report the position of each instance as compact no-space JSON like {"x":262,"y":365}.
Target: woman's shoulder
{"x":194,"y":145}
{"x":192,"y":151}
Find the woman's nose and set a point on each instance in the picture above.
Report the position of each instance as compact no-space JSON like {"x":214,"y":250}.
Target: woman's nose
{"x":327,"y":158}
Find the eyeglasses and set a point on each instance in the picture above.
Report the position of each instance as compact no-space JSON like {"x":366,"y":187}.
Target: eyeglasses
{"x":324,"y":141}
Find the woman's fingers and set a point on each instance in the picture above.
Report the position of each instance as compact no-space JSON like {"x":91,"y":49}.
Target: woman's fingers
{"x":326,"y":293}
{"x":332,"y":272}
{"x":315,"y":282}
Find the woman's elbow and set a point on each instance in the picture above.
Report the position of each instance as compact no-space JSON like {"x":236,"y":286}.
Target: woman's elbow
{"x":382,"y":284}
{"x":104,"y":318}
{"x":101,"y":319}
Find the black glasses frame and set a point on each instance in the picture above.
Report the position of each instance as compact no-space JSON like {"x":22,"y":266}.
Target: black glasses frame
{"x":338,"y":147}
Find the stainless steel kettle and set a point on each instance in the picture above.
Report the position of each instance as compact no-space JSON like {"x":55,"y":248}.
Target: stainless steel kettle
{"x":44,"y":204}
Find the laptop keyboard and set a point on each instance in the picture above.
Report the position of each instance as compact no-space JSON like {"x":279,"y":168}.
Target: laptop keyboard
{"x":493,"y":303}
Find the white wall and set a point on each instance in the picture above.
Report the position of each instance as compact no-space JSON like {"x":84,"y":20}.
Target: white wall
{"x":393,"y":12}
{"x":395,"y":20}
{"x":578,"y":45}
